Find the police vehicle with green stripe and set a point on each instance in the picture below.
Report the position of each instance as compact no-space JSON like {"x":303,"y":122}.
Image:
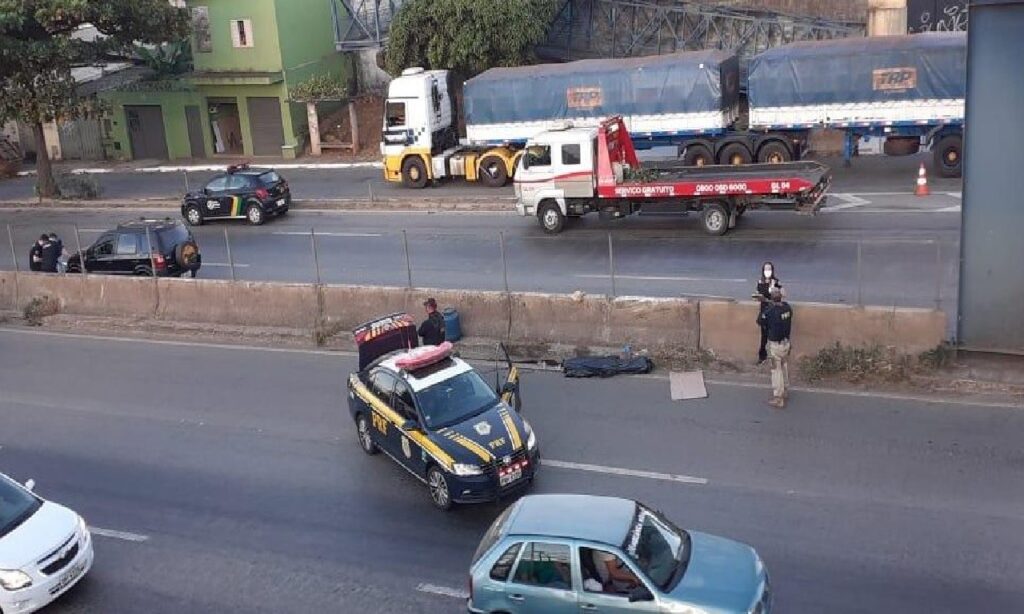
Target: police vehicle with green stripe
{"x":242,"y":192}
{"x":436,"y":416}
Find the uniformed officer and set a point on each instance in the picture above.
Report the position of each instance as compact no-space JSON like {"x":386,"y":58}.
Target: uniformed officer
{"x":778,"y":321}
{"x":431,"y":331}
{"x":763,"y":293}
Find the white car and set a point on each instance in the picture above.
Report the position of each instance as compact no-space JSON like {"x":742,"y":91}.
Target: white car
{"x":45,"y":549}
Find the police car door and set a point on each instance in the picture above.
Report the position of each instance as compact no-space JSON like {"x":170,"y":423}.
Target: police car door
{"x":410,"y":453}
{"x":217,"y":203}
{"x":383,"y":426}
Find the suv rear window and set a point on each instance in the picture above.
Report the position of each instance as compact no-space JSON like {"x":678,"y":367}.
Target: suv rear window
{"x":172,"y":236}
{"x":269,"y":178}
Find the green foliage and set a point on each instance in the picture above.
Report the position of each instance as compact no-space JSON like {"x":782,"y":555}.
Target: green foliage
{"x":79,"y":187}
{"x":467,"y":36}
{"x":320,"y":88}
{"x":639,"y":175}
{"x":40,"y":307}
{"x":167,"y":60}
{"x":857,"y":364}
{"x":38,"y":51}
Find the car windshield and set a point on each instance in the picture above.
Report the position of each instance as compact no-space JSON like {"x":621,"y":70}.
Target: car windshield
{"x":455,"y":399}
{"x":655,"y":546}
{"x":16,"y":505}
{"x":269,"y":178}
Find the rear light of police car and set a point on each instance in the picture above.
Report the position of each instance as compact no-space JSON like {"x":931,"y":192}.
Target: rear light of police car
{"x":262,"y":193}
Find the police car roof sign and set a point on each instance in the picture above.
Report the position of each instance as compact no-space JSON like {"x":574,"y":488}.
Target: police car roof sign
{"x":392,"y":332}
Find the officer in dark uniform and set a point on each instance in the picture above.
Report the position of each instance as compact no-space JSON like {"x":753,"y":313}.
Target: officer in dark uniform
{"x":777,"y":320}
{"x":431,"y":331}
{"x":35,"y":255}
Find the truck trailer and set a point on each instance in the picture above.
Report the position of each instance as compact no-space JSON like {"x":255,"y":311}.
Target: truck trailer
{"x":568,"y":173}
{"x":664,"y":99}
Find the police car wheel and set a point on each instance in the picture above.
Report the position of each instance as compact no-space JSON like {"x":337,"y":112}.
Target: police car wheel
{"x":254,"y":214}
{"x":365,"y":439}
{"x":193,"y":216}
{"x":439,"y":493}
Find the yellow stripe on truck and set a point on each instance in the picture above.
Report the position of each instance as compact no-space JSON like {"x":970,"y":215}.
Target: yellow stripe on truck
{"x":420,"y":438}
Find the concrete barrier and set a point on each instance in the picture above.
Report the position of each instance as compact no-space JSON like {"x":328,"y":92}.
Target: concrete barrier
{"x":729,"y":329}
{"x":662,"y":326}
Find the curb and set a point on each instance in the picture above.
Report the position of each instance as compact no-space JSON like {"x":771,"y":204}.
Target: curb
{"x":498,"y":204}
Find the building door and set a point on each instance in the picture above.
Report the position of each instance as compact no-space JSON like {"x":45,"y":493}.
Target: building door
{"x":195,"y":131}
{"x":80,"y":139}
{"x":265,"y":125}
{"x":146,"y":132}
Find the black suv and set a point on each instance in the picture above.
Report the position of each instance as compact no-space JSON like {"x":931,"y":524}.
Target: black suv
{"x":243,"y":192}
{"x":125,"y":250}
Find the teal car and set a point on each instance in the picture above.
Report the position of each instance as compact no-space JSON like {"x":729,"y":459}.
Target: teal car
{"x":561,"y":554}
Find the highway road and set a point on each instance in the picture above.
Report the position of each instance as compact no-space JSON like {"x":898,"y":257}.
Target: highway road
{"x":867,"y":175}
{"x":908,"y":257}
{"x":229,"y":480}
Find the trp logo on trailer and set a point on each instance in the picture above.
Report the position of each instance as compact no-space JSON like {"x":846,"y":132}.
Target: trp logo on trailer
{"x":894,"y":79}
{"x":584,"y":97}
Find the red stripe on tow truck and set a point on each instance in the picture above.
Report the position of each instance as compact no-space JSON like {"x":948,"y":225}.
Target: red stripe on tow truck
{"x":573,"y":175}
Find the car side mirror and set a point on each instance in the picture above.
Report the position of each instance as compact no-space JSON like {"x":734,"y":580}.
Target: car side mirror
{"x":30,"y":485}
{"x":410,"y":425}
{"x":640,"y":593}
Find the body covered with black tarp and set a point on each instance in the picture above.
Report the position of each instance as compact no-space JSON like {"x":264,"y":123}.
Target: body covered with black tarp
{"x":880,"y":70}
{"x":678,"y":92}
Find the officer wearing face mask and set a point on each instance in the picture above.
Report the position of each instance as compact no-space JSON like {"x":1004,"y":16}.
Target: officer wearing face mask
{"x":765,"y":283}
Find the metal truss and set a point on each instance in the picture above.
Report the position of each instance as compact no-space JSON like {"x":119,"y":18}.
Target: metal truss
{"x":362,"y":24}
{"x":623,"y":28}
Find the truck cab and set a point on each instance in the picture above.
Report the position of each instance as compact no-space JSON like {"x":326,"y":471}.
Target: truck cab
{"x":419,"y":122}
{"x":557,"y":168}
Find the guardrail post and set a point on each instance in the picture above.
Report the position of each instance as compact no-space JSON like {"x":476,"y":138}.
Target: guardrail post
{"x":938,"y":275}
{"x":408,"y":261}
{"x":316,"y":257}
{"x":231,"y":260}
{"x":369,"y":186}
{"x":611,"y":263}
{"x":860,"y":302}
{"x":504,"y":260}
{"x":187,"y":189}
{"x":81,"y":256}
{"x":14,"y":253}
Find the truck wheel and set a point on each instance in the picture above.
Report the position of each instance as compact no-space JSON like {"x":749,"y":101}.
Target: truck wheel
{"x":698,"y":155}
{"x":948,"y":154}
{"x":551,"y":218}
{"x":414,"y":173}
{"x":493,"y":173}
{"x":774,"y":152}
{"x":734,"y":154}
{"x":715,"y":219}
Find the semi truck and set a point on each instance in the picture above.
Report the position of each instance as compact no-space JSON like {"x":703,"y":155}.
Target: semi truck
{"x":567,"y":173}
{"x":664,"y":100}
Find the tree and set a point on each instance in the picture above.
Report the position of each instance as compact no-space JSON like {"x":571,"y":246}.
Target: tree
{"x":322,"y":88}
{"x":467,"y":36}
{"x":38,"y":51}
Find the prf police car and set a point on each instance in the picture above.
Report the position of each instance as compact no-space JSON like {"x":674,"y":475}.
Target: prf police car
{"x":435,"y":416}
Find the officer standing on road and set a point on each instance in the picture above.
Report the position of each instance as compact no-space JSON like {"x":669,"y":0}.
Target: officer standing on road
{"x":763,"y":293}
{"x":778,"y":321}
{"x":35,"y":255}
{"x":432,"y":330}
{"x":50,"y":255}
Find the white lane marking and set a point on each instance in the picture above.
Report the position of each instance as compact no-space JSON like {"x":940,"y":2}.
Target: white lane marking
{"x":122,"y":535}
{"x":850,"y":202}
{"x":659,"y":376}
{"x":444,"y":591}
{"x":299,"y":233}
{"x":662,"y":278}
{"x":953,"y":209}
{"x":633,"y":473}
{"x":227,"y":264}
{"x":959,"y":195}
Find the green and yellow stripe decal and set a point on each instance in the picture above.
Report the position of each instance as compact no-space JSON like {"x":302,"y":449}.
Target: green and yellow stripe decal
{"x":392,"y":416}
{"x":469,"y":444}
{"x":236,"y":206}
{"x":510,"y":428}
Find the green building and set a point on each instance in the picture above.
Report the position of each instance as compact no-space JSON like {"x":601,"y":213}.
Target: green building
{"x":248,"y":55}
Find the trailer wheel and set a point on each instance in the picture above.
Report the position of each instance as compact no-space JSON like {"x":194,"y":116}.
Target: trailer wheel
{"x":551,"y":218}
{"x":493,"y":173}
{"x":414,"y":172}
{"x":715,"y":219}
{"x":698,"y":155}
{"x":774,"y":152}
{"x":734,"y":154}
{"x":948,"y":154}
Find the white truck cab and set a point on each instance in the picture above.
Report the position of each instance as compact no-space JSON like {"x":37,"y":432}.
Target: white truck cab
{"x":558,"y":166}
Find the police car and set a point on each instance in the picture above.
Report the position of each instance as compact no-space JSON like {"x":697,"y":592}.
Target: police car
{"x":434,"y":415}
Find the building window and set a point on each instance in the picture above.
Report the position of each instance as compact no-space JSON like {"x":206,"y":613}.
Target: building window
{"x":201,"y":29}
{"x":241,"y":33}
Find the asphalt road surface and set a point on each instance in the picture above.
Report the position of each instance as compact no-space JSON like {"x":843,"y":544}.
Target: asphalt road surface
{"x":230,"y":480}
{"x":867,"y":175}
{"x":908,"y":257}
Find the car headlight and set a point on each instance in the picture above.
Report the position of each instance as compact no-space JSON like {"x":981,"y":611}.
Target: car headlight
{"x":531,"y":438}
{"x":466,"y":469}
{"x":14,"y":579}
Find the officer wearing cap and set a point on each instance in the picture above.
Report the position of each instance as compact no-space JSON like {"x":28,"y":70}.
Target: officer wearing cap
{"x":778,"y":320}
{"x":432,"y":329}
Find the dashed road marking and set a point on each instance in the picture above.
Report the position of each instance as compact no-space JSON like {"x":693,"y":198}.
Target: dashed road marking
{"x":122,"y":535}
{"x":293,"y":233}
{"x":633,"y":473}
{"x":443,"y":591}
{"x":227,"y":264}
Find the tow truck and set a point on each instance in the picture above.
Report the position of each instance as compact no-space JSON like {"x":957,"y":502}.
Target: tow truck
{"x":568,"y":172}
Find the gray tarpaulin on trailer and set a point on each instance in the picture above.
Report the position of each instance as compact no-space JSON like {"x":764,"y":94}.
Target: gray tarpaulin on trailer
{"x":927,"y":66}
{"x":685,"y":82}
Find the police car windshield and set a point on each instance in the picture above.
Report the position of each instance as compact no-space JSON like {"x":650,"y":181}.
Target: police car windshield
{"x":455,"y":399}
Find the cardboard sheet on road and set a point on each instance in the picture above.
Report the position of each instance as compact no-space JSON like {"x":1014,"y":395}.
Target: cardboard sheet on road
{"x":686,"y":385}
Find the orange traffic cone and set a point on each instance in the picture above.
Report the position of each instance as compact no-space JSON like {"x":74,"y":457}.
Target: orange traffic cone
{"x":922,"y":183}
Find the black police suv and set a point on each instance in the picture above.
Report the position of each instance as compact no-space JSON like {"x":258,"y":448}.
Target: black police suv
{"x":242,"y":192}
{"x":143,"y":247}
